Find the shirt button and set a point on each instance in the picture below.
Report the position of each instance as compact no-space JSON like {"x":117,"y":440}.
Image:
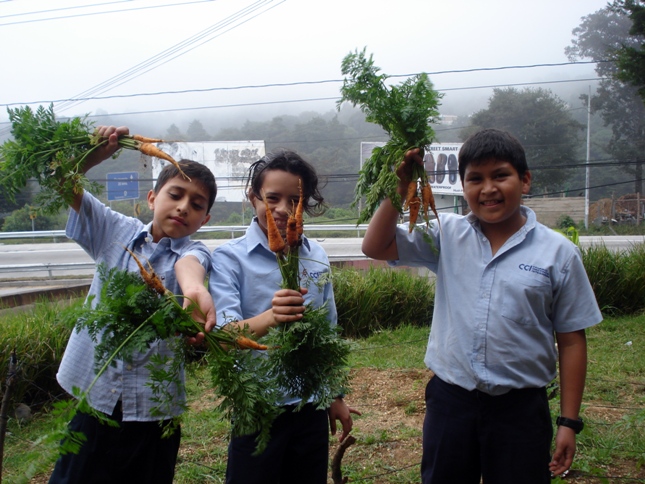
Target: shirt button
{"x":129,"y":367}
{"x":113,"y":390}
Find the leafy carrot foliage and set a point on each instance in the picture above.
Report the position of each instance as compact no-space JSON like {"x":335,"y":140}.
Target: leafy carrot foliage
{"x":404,"y":111}
{"x":50,"y":151}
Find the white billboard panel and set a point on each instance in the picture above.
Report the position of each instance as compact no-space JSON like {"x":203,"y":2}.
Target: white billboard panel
{"x":440,"y":162}
{"x":228,"y":160}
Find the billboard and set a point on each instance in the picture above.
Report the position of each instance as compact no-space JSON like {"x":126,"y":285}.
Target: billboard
{"x":440,"y":162}
{"x":228,"y":160}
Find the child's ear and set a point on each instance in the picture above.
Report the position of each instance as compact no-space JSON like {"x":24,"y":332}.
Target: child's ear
{"x":526,"y":183}
{"x":151,"y":199}
{"x":206,"y":219}
{"x":252,"y":199}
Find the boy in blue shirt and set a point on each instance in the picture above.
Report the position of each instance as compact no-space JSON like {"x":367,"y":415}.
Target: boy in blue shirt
{"x":135,"y":451}
{"x":507,"y":290}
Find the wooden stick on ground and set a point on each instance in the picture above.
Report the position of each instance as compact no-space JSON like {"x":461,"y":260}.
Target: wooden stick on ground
{"x":336,"y":472}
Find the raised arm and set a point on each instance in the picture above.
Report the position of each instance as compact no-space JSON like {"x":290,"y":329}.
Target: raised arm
{"x":380,"y":238}
{"x":111,"y":133}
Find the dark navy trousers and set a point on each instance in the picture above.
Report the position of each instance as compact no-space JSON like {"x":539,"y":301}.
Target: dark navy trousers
{"x":470,"y":435}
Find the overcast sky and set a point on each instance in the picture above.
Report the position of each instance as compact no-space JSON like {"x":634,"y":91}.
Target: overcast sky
{"x":58,"y":50}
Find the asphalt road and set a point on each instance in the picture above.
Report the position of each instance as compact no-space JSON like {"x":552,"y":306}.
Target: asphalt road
{"x":70,"y":253}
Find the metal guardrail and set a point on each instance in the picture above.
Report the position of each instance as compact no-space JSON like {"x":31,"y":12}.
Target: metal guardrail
{"x":48,"y":267}
{"x":233,"y":229}
{"x":86,"y":266}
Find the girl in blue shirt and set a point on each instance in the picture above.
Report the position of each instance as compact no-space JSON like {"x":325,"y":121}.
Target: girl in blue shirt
{"x":245,"y":284}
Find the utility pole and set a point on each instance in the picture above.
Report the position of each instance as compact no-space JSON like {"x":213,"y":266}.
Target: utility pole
{"x":587,"y":176}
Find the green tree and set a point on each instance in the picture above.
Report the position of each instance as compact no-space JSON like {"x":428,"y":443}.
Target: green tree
{"x":23,"y":220}
{"x":630,"y":57}
{"x":599,"y":37}
{"x":173,"y":134}
{"x":196,"y":132}
{"x":542,"y":122}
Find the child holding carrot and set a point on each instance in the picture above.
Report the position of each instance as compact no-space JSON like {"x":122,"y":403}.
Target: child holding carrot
{"x":508,"y":289}
{"x":134,"y":450}
{"x":245,"y":284}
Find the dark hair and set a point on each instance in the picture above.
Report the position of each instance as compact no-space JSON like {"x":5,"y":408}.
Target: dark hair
{"x":194,"y":170}
{"x":291,"y":162}
{"x":492,"y":144}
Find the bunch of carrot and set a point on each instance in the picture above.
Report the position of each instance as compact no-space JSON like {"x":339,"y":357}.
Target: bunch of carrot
{"x":53,"y":153}
{"x":287,"y":250}
{"x":419,"y":198}
{"x":307,"y":358}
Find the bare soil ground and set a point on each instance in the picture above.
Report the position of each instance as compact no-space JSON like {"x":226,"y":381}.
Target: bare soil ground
{"x":389,"y":431}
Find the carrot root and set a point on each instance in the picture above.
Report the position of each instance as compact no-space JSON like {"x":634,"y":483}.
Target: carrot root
{"x":249,"y":344}
{"x":151,"y":150}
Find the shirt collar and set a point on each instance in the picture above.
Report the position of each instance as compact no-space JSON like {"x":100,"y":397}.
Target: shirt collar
{"x":531,"y":220}
{"x":145,"y":236}
{"x":255,"y":237}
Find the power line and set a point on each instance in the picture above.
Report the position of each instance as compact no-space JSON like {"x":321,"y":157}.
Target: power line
{"x":88,"y":14}
{"x":226,"y":25}
{"x":81,"y":97}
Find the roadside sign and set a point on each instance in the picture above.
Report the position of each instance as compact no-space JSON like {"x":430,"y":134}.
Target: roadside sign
{"x":123,"y":186}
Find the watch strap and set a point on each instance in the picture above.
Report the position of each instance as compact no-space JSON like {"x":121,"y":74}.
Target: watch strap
{"x":576,"y":425}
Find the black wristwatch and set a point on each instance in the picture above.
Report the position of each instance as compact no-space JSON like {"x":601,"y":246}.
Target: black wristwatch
{"x":576,"y":425}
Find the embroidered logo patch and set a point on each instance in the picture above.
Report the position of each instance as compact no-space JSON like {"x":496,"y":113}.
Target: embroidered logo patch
{"x":534,"y":269}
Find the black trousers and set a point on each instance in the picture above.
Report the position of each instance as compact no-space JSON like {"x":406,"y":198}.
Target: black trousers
{"x":298,"y":452}
{"x":470,"y":435}
{"x":133,"y":452}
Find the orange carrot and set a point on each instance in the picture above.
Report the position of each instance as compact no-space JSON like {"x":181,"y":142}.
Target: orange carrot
{"x":151,"y":150}
{"x":276,"y":242}
{"x":150,"y":278}
{"x":249,"y":344}
{"x":145,"y":139}
{"x":415,"y":205}
{"x":412,"y":192}
{"x":299,"y":210}
{"x":292,"y":232}
{"x":428,"y":201}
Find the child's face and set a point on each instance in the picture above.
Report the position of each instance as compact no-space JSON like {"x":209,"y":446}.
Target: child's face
{"x":280,"y":189}
{"x":493,"y":190}
{"x":179,"y":208}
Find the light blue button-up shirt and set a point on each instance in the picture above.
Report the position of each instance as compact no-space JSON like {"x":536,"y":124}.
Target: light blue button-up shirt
{"x":245,"y":275}
{"x":104,"y":234}
{"x":495,"y":316}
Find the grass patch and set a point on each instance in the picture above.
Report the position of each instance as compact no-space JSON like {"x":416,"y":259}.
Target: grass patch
{"x":389,"y":379}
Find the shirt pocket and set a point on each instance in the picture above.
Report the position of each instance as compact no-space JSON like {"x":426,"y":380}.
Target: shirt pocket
{"x":526,"y":300}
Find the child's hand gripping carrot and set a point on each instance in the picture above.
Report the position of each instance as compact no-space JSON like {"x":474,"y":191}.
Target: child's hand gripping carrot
{"x":105,"y":150}
{"x":288,"y":305}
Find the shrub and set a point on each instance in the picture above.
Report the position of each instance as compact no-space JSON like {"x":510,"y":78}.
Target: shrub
{"x":39,"y":337}
{"x":617,"y":278}
{"x":564,"y":222}
{"x":381,"y":298}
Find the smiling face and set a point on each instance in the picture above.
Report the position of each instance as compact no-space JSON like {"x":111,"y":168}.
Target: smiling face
{"x":280,"y":189}
{"x":180,"y":208}
{"x":493,"y":190}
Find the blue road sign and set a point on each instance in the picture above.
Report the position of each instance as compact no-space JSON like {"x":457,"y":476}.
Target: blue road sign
{"x":123,"y":186}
